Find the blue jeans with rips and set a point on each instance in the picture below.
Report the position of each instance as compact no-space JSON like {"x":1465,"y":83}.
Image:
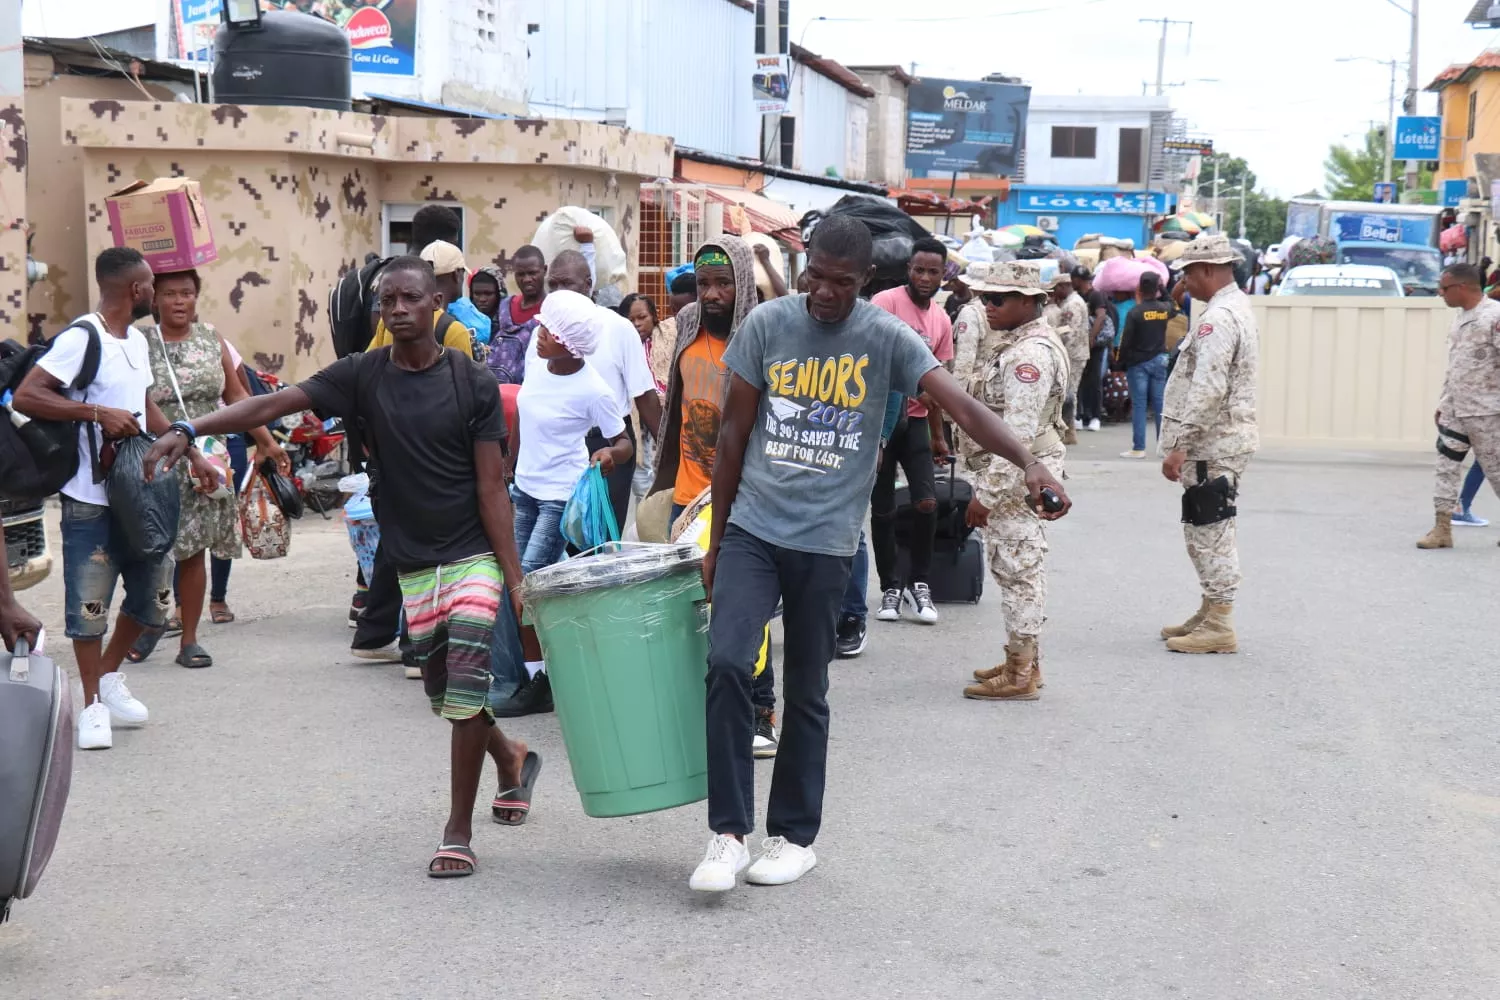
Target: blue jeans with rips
{"x":1148,"y":384}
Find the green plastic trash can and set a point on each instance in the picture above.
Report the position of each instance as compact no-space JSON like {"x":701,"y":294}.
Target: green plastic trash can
{"x":625,"y":634}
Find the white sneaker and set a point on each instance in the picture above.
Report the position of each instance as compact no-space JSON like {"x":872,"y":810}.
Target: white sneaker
{"x":389,"y":653}
{"x":93,"y":727}
{"x":782,"y":862}
{"x":1094,"y":424}
{"x":920,"y":596}
{"x":1132,"y":453}
{"x":721,"y":866}
{"x":124,"y":708}
{"x":890,"y":607}
{"x":1077,"y":424}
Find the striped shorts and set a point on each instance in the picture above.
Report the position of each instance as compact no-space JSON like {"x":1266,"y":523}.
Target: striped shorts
{"x":450,"y":617}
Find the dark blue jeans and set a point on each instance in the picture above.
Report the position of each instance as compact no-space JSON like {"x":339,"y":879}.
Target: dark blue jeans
{"x":751,"y":575}
{"x":1471,"y":486}
{"x":762,"y":685}
{"x":239,"y":463}
{"x":1148,"y":384}
{"x":853,"y":605}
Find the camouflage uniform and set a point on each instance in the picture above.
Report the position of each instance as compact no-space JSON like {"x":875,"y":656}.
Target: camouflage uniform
{"x":1077,"y":339}
{"x":1025,"y":384}
{"x":1209,"y":413}
{"x":972,"y":339}
{"x":1470,"y":404}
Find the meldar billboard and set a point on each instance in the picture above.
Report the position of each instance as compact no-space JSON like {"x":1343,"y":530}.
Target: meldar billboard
{"x":965,"y":126}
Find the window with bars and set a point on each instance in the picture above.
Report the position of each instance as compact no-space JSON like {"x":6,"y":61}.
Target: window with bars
{"x":671,"y":228}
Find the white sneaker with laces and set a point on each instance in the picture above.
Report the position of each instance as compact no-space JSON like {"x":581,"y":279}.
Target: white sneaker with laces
{"x":721,"y":865}
{"x":1094,"y":424}
{"x":890,"y":607}
{"x":93,"y":727}
{"x":1077,"y":424}
{"x":124,"y":708}
{"x":781,"y":862}
{"x":920,"y":596}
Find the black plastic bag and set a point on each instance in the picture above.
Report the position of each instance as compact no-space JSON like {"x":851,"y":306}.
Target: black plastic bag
{"x":283,"y":491}
{"x":145,"y":514}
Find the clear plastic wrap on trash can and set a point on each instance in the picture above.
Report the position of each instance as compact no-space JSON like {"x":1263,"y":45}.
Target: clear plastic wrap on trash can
{"x":619,"y":565}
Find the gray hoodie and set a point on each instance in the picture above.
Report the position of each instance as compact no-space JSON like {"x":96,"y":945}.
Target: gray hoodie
{"x":669,"y":449}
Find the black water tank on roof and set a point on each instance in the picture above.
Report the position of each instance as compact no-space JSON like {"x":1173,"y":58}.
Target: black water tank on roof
{"x":294,"y":59}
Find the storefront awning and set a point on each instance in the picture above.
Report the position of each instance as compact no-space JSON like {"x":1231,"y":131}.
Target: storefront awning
{"x":760,"y":214}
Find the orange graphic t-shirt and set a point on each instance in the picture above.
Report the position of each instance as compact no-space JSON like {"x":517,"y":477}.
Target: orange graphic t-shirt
{"x":703,"y":375}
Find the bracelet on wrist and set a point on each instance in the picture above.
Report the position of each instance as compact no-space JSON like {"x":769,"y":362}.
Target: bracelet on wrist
{"x":185,"y":429}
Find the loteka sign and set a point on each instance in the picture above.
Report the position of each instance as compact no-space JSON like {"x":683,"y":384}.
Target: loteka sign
{"x":1100,"y":202}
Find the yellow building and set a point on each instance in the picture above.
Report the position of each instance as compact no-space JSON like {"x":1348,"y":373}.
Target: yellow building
{"x":1469,"y":102}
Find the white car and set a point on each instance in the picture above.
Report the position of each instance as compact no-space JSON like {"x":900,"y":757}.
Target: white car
{"x":1341,"y":279}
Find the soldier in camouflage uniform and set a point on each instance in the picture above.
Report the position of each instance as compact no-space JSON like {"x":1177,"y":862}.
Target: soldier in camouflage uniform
{"x":1024,"y":379}
{"x":1072,"y":325}
{"x":1208,"y":416}
{"x":1468,"y":413}
{"x":974,"y":333}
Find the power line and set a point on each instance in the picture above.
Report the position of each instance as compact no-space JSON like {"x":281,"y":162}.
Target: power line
{"x":957,"y":18}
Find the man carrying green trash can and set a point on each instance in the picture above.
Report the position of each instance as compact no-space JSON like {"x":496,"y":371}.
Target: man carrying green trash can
{"x":796,"y":461}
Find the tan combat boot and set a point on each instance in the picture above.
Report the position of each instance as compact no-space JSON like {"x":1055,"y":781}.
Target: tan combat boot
{"x":1214,"y":634}
{"x":1070,"y":436}
{"x":1186,"y":628}
{"x":985,"y":673}
{"x":1441,"y":535}
{"x":1016,"y":680}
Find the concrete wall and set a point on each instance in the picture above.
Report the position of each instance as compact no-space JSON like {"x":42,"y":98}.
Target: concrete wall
{"x":13,"y":163}
{"x":54,"y":196}
{"x":295,"y":195}
{"x":885,"y":147}
{"x":1107,"y":115}
{"x":831,"y":124}
{"x":1351,"y":374}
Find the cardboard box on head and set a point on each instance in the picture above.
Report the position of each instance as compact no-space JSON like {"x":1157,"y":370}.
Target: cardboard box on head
{"x":166,"y":220}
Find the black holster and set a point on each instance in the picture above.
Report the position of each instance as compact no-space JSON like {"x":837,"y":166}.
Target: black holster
{"x":1448,"y":442}
{"x":1210,"y":501}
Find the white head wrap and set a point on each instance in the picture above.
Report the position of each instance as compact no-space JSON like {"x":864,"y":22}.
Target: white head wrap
{"x":572,"y":320}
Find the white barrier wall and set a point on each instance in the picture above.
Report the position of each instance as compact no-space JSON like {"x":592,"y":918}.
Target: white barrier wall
{"x":1340,"y":372}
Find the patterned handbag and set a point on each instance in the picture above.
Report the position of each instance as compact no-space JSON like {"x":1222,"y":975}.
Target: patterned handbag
{"x":266,"y":530}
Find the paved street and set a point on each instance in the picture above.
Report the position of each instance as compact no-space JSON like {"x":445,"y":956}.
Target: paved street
{"x":1314,"y":818}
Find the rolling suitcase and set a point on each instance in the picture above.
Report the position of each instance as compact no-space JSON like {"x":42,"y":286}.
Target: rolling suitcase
{"x":36,"y":767}
{"x":957,"y":570}
{"x":957,"y":551}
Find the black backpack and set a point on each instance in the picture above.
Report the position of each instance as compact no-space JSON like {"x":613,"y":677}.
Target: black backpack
{"x":351,"y":307}
{"x":39,"y":457}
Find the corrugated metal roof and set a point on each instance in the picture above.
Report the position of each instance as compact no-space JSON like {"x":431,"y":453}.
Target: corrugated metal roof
{"x":832,"y":69}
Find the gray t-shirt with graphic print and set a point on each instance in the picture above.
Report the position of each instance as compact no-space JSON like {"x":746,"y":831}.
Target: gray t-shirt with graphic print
{"x":811,"y":459}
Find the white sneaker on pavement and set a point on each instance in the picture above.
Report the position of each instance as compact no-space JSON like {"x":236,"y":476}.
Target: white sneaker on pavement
{"x":93,"y":727}
{"x":920,"y":596}
{"x":124,"y":708}
{"x":781,"y":862}
{"x":389,"y":653}
{"x":890,"y":607}
{"x":1094,"y":424}
{"x":721,"y":865}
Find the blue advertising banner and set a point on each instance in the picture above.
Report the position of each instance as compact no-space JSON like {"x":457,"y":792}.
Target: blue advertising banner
{"x":1385,"y":192}
{"x":1348,"y":226}
{"x":1455,"y":191}
{"x":965,"y":126}
{"x":1418,"y":137}
{"x":382,"y":33}
{"x":1047,"y":200}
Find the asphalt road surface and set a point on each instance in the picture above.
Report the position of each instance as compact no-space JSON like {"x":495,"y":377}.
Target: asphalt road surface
{"x":1315,"y":817}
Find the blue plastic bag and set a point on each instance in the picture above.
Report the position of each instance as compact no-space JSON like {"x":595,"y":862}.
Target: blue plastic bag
{"x":588,"y":520}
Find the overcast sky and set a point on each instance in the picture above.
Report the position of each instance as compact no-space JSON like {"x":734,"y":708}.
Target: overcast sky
{"x":1280,"y":101}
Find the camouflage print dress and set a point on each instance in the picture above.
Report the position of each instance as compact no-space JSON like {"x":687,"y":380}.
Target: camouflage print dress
{"x":206,"y":523}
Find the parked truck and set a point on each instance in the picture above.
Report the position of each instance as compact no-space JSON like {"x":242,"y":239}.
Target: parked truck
{"x":1403,"y":238}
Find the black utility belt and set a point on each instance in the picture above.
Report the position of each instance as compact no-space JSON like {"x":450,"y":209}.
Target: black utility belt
{"x":1210,"y":500}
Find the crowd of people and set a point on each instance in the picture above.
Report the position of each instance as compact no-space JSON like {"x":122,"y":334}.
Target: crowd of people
{"x":756,"y":404}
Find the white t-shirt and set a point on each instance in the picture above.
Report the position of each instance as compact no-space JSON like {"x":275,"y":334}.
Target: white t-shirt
{"x":618,"y":359}
{"x":555,"y":413}
{"x":124,"y":379}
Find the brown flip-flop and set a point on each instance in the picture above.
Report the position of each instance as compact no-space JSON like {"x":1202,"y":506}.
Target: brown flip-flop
{"x":221,"y":616}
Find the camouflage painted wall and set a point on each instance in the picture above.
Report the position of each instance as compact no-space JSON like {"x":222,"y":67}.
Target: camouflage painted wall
{"x":296,"y":195}
{"x":54,"y":195}
{"x":13,"y":157}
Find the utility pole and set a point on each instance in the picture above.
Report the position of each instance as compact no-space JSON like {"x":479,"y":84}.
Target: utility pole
{"x":1410,"y":104}
{"x":1218,"y":212}
{"x":1243,"y":186}
{"x":1161,"y":46}
{"x":1390,"y":127}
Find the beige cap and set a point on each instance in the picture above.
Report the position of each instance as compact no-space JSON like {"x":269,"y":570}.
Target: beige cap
{"x":1009,"y":276}
{"x":445,"y":258}
{"x":1210,"y":249}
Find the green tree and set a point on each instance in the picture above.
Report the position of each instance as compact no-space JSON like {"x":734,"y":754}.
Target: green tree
{"x":1232,"y":171}
{"x":1265,"y":218}
{"x":1351,"y":173}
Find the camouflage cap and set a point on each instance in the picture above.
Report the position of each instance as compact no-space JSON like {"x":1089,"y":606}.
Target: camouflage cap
{"x":1209,"y":249}
{"x":1010,"y":276}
